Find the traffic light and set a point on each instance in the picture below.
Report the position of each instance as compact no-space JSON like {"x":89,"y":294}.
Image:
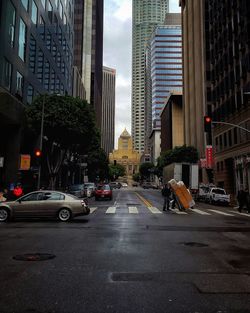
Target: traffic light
{"x":207,"y":124}
{"x":38,"y":153}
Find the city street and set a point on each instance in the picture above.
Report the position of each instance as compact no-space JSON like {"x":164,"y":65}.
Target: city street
{"x":129,"y":256}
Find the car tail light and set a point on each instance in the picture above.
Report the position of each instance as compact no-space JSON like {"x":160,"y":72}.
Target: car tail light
{"x":84,"y":203}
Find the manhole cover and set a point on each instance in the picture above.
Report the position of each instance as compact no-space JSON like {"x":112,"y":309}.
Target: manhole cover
{"x":34,"y":257}
{"x":195,"y":244}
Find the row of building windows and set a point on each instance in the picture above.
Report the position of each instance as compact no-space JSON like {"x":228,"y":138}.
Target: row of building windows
{"x":232,"y":137}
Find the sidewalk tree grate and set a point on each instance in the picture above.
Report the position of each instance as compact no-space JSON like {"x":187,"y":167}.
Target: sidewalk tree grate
{"x":195,"y":244}
{"x":34,"y":257}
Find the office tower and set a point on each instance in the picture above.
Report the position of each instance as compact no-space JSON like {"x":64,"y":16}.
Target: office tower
{"x":92,"y":57}
{"x":108,"y":109}
{"x":228,"y":62}
{"x":35,"y":58}
{"x":216,"y":82}
{"x":146,"y":15}
{"x":194,"y":73}
{"x":78,"y":87}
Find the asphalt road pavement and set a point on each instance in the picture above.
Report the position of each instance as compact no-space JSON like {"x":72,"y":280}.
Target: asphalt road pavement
{"x":129,"y":256}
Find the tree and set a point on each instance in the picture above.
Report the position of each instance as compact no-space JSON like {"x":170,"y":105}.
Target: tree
{"x":146,"y":169}
{"x":136,"y":177}
{"x":69,"y":126}
{"x":97,"y":164}
{"x":116,"y":170}
{"x":180,"y":154}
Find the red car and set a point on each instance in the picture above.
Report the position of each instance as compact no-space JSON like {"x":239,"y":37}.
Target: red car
{"x":103,"y":191}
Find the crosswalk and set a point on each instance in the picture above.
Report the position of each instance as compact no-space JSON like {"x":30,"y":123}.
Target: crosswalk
{"x":133,"y":210}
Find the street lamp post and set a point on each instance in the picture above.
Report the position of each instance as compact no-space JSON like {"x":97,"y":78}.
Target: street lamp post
{"x":41,"y":144}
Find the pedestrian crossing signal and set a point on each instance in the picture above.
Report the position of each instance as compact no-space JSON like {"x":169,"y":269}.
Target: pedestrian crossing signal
{"x":38,"y":153}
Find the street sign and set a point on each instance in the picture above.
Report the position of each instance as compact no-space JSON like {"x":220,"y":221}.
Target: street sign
{"x":1,"y":161}
{"x":209,"y":156}
{"x":24,"y":162}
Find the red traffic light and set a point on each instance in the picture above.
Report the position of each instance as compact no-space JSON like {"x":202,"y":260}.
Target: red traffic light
{"x":208,"y":119}
{"x":38,"y":153}
{"x":207,"y":124}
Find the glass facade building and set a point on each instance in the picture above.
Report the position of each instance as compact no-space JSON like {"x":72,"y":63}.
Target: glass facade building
{"x":165,"y":67}
{"x":36,"y":57}
{"x":146,"y":15}
{"x":37,"y":47}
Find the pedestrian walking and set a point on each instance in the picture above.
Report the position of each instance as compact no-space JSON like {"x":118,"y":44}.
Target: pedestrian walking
{"x":242,"y":199}
{"x":166,"y":193}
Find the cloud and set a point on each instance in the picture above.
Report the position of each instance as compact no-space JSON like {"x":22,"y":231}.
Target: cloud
{"x":174,"y":6}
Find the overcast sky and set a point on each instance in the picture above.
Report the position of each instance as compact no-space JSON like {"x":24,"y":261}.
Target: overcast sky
{"x":118,"y":53}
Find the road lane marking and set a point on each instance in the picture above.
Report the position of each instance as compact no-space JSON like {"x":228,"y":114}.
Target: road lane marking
{"x":154,"y":210}
{"x":111,"y":210}
{"x":239,"y":213}
{"x":219,"y":212}
{"x":92,"y":210}
{"x":200,"y":212}
{"x":133,"y":210}
{"x":146,"y":202}
{"x":178,"y":212}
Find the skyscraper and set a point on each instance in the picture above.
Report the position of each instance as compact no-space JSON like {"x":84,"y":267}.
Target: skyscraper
{"x":146,"y":15}
{"x":35,"y":58}
{"x":108,"y":109}
{"x":92,"y":53}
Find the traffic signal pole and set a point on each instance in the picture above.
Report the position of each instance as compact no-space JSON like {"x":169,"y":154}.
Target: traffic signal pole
{"x":41,"y":145}
{"x":234,"y":125}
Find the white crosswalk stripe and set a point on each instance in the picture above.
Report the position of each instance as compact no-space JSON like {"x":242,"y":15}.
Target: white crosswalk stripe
{"x":154,"y":210}
{"x":200,"y":212}
{"x":111,"y":210}
{"x":92,"y":210}
{"x":179,"y":212}
{"x":220,"y":212}
{"x":133,"y":210}
{"x":239,"y":213}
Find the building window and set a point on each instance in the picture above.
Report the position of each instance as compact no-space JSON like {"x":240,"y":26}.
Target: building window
{"x":52,"y":81}
{"x":7,"y":74}
{"x":25,"y":4}
{"x":63,"y":67}
{"x":235,"y":136}
{"x":225,"y":140}
{"x":50,"y":11}
{"x":40,"y":65}
{"x":48,"y":41}
{"x":60,"y":10}
{"x":32,"y":55}
{"x":19,"y":84}
{"x":54,"y":51}
{"x":44,"y":3}
{"x":46,"y":75}
{"x":230,"y":138}
{"x":57,"y":90}
{"x":33,"y":12}
{"x":42,"y":27}
{"x":58,"y":59}
{"x":10,"y":23}
{"x":22,"y":40}
{"x":30,"y":94}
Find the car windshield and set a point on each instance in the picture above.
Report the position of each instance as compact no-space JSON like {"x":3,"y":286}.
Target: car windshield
{"x":75,"y":187}
{"x":219,"y":191}
{"x":89,"y":185}
{"x":104,"y":187}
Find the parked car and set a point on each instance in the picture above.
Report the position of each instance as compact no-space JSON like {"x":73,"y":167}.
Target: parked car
{"x":202,"y":193}
{"x":44,"y":203}
{"x":218,"y":195}
{"x":89,"y":189}
{"x":147,"y":185}
{"x":103,"y":192}
{"x":76,"y":190}
{"x":115,"y":185}
{"x":135,"y":184}
{"x":124,"y":185}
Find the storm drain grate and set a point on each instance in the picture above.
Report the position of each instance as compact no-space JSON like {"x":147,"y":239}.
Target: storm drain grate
{"x":195,"y":244}
{"x":34,"y":257}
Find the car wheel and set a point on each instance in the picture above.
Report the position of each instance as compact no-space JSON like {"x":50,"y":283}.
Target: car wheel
{"x":210,"y":201}
{"x":96,"y":199}
{"x":110,"y":198}
{"x":64,"y":215}
{"x":4,"y":215}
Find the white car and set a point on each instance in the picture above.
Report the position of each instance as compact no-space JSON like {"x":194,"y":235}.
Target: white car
{"x":124,"y":185}
{"x":218,"y":195}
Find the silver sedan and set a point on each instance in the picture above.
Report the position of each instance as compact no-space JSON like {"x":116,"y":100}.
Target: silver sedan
{"x":44,"y":203}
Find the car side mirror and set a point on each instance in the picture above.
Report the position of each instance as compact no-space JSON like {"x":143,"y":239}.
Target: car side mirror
{"x":19,"y":201}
